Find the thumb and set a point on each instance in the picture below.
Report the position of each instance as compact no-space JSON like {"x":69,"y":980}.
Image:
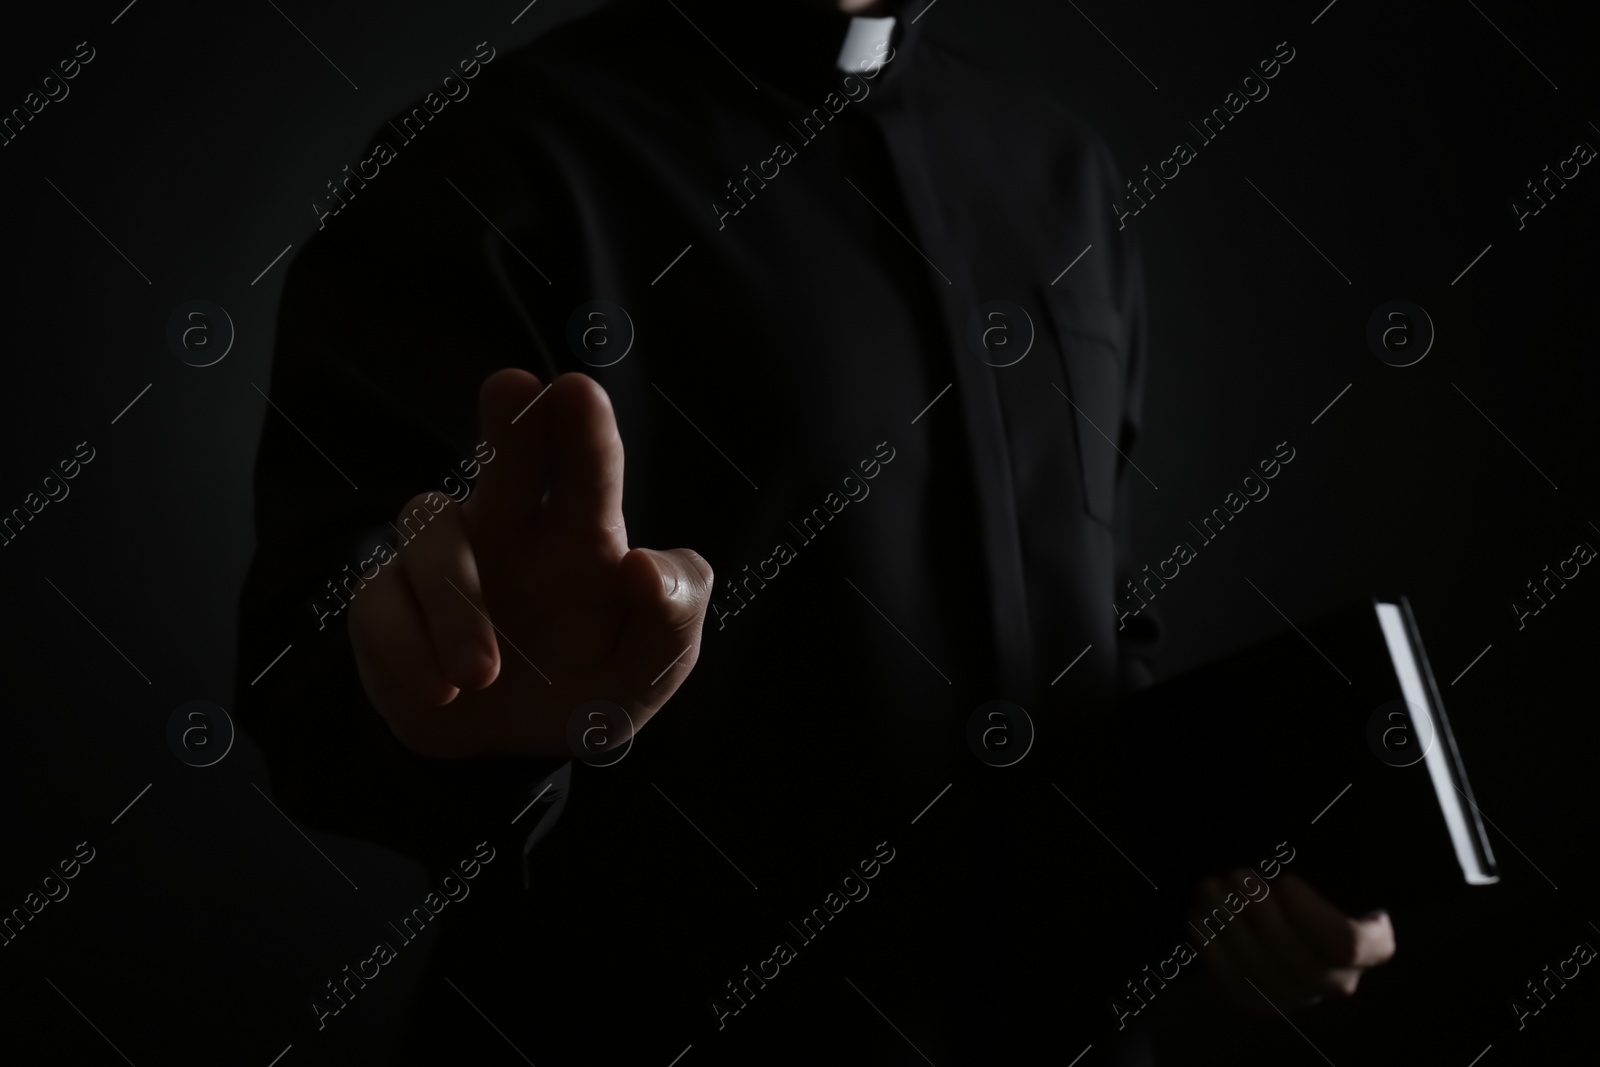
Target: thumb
{"x":666,"y":593}
{"x":1376,"y":943}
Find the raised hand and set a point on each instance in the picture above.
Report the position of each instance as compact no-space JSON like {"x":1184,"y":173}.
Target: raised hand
{"x":511,"y":610}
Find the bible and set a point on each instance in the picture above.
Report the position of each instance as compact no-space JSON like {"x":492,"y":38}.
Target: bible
{"x":1331,"y":741}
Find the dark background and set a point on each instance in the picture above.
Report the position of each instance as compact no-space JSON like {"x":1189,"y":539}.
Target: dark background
{"x":197,"y":139}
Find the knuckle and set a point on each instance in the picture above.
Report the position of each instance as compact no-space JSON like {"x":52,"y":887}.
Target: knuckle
{"x":417,"y":501}
{"x":707,"y":576}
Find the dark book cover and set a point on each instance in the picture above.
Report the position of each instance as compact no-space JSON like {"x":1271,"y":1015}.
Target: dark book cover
{"x":1325,"y":751}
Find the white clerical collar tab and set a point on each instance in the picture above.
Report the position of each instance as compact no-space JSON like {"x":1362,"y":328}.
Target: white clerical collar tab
{"x":866,"y":44}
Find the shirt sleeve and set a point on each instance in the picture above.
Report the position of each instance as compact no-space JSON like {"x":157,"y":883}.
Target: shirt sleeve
{"x":391,"y":316}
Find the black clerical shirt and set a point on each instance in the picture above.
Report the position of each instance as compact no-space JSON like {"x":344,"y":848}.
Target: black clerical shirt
{"x":850,"y":368}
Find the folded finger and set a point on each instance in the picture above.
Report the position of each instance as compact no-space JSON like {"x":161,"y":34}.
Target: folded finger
{"x":393,"y":652}
{"x":443,"y":575}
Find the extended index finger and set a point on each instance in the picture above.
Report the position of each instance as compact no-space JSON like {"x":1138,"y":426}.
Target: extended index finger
{"x":513,"y":422}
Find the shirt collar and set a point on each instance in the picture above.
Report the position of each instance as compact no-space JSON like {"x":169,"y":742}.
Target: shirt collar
{"x":866,"y":43}
{"x":797,"y":45}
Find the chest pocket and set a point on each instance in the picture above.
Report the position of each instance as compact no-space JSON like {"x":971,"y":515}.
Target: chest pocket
{"x":1089,"y":338}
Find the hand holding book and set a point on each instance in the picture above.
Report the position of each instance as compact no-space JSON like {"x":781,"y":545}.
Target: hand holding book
{"x":1290,"y":948}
